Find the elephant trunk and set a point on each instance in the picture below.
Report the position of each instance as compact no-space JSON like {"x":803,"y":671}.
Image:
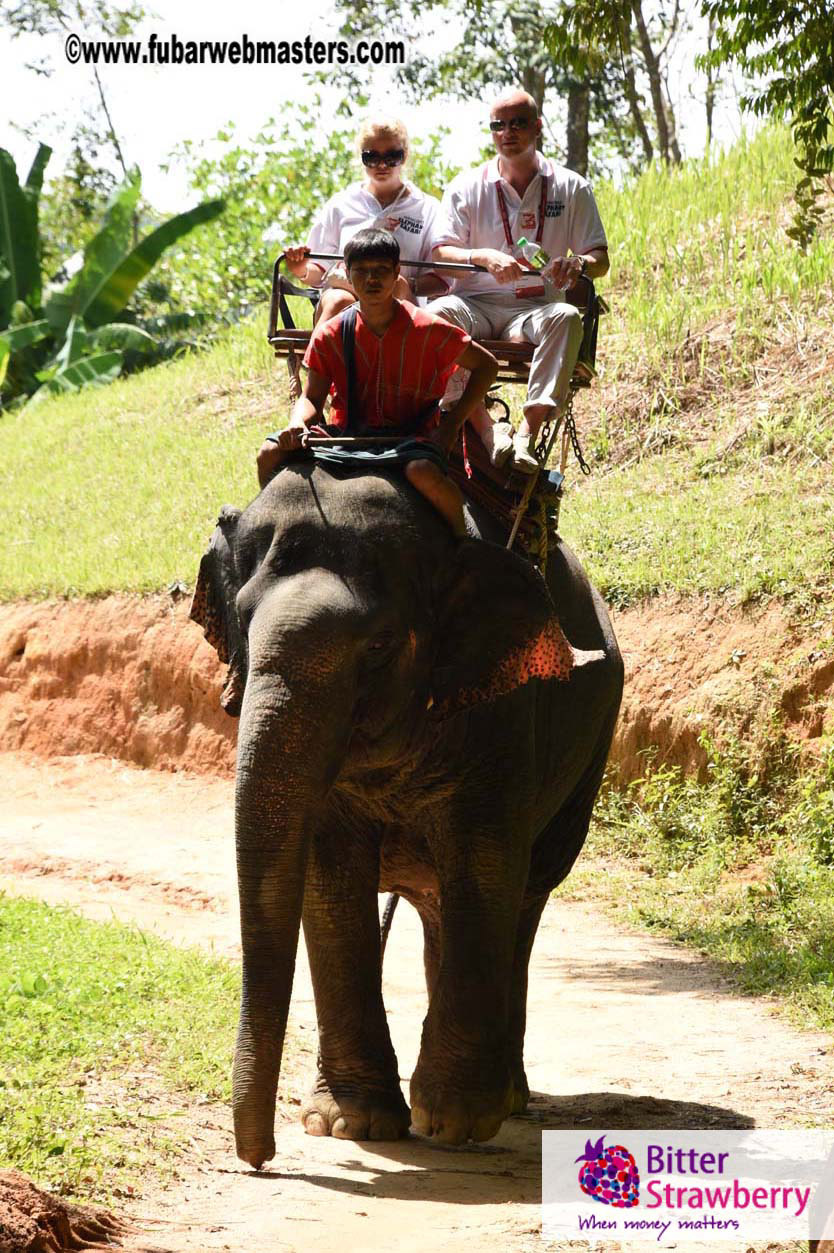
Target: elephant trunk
{"x":293,"y":736}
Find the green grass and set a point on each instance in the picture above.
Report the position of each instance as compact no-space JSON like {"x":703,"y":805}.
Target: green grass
{"x":664,"y":526}
{"x":740,"y":866}
{"x":117,"y":488}
{"x":105,"y":1032}
{"x":709,"y":237}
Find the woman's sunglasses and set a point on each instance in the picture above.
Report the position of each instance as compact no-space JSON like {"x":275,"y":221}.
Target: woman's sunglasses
{"x":394,"y":156}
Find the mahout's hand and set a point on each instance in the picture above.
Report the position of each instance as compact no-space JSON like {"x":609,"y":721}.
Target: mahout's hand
{"x":320,"y":432}
{"x":291,"y":437}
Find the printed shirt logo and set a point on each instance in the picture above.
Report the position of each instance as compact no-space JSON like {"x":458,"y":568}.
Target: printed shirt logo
{"x":528,"y":221}
{"x":412,"y":226}
{"x":609,"y":1175}
{"x":554,"y":208}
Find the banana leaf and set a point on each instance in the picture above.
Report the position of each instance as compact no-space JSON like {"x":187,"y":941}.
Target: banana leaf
{"x":74,"y":346}
{"x":116,"y":288}
{"x":27,"y":333}
{"x":5,"y":353}
{"x":123,"y":335}
{"x":19,"y":250}
{"x":34,"y":179}
{"x":102,"y":255}
{"x":100,"y":368}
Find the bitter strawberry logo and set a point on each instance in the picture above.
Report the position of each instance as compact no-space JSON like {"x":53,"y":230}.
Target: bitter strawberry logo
{"x":609,"y":1175}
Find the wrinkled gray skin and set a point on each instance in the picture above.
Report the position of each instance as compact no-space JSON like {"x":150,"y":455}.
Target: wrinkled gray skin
{"x":376,"y":753}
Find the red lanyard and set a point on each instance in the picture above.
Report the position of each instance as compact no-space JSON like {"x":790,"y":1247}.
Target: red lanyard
{"x":505,"y":217}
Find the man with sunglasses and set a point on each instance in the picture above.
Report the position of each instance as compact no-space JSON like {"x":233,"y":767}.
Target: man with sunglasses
{"x":522,"y":195}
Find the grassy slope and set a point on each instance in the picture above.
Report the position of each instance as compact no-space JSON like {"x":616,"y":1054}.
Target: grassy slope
{"x":710,"y":431}
{"x":117,"y":488}
{"x":711,"y":438}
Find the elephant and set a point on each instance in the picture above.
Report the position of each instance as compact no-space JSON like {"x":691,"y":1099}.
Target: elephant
{"x":419,"y":714}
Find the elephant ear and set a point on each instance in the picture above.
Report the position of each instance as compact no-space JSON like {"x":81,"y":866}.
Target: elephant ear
{"x":214,"y":607}
{"x":497,"y":629}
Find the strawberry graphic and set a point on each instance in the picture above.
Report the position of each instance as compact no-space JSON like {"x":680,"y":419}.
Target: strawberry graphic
{"x":609,"y":1175}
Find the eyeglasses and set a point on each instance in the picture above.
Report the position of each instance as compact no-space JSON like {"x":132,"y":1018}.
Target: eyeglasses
{"x":394,"y":156}
{"x":515,"y":124}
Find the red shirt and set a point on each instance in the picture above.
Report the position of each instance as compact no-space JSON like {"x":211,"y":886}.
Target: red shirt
{"x":398,"y":375}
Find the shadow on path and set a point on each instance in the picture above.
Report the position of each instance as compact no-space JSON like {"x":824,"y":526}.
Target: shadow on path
{"x":511,"y":1163}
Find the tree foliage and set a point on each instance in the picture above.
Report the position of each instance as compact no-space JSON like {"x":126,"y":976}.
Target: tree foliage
{"x":59,"y":338}
{"x":53,"y":17}
{"x":791,"y":47}
{"x":634,"y":48}
{"x":74,"y":200}
{"x":500,"y":46}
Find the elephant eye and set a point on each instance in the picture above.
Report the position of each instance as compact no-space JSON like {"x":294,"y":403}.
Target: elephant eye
{"x":379,"y":642}
{"x":379,"y":648}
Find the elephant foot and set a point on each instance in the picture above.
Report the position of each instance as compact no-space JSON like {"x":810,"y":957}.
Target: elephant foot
{"x":453,"y":1113}
{"x":355,"y":1114}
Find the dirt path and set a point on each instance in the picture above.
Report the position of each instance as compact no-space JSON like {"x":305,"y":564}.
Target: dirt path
{"x":624,"y":1030}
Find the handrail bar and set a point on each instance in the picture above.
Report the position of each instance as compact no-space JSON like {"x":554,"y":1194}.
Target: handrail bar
{"x":282,"y":286}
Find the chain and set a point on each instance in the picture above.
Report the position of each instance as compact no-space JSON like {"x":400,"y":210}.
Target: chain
{"x":570,"y":423}
{"x":544,"y":442}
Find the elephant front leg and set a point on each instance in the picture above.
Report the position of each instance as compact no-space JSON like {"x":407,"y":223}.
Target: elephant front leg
{"x":356,"y":1095}
{"x":462,"y":1088}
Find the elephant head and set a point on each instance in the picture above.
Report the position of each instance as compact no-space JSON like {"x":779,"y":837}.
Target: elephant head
{"x":355,"y":631}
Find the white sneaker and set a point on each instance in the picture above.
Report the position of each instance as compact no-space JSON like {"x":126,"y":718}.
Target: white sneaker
{"x":498,"y":442}
{"x":523,"y":457}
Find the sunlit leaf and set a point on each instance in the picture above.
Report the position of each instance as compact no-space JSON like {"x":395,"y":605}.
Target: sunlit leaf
{"x":116,"y":288}
{"x":19,"y":337}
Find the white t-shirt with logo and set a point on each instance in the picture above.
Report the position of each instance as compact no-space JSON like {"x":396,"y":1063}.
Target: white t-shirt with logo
{"x":471,"y":216}
{"x":412,"y":218}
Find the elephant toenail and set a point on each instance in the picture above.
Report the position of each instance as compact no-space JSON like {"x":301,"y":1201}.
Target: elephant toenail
{"x":315,"y":1125}
{"x":339,"y":1130}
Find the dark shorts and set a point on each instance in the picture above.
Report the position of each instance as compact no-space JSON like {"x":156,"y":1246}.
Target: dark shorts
{"x":407,"y":450}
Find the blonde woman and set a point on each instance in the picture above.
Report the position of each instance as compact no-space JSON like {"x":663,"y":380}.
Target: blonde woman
{"x":381,"y":199}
